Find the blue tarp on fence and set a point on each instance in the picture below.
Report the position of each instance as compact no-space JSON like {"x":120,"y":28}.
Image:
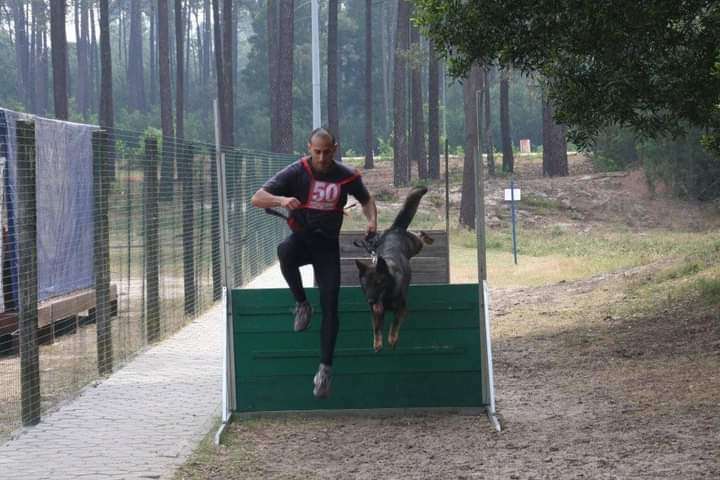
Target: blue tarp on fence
{"x":64,"y":189}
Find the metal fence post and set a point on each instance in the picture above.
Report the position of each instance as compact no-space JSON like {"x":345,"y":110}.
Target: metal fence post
{"x":27,"y":273}
{"x":185,"y":160}
{"x":152,"y":242}
{"x":101,"y":181}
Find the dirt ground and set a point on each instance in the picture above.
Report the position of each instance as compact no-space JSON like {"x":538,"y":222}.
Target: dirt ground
{"x":581,"y":393}
{"x":591,"y":382}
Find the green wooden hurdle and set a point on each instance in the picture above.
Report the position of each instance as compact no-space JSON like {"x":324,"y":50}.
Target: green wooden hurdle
{"x":437,"y":362}
{"x":443,"y":359}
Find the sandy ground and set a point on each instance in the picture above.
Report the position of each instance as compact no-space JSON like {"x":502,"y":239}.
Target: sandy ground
{"x":580,"y":395}
{"x":588,"y":384}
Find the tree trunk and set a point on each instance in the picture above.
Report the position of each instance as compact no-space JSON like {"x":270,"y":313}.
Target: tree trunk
{"x":508,"y":160}
{"x":93,"y":62}
{"x":135,"y":81}
{"x":219,"y":77}
{"x":106,"y":93}
{"x":21,"y":52}
{"x":433,"y":115}
{"x":369,"y":140}
{"x":59,"y":58}
{"x":120,"y":33}
{"x":39,"y":77}
{"x":332,"y":73}
{"x":467,"y":200}
{"x":401,"y":166}
{"x":83,"y":73}
{"x":228,"y":126}
{"x":272,"y":47}
{"x":418,"y":118}
{"x":199,"y":47}
{"x":207,"y":42}
{"x":179,"y":73}
{"x":188,"y":47}
{"x":489,"y":144}
{"x":285,"y":83}
{"x":388,"y":41}
{"x":43,"y":83}
{"x":153,"y":55}
{"x":32,"y":55}
{"x":555,"y":161}
{"x":166,"y":115}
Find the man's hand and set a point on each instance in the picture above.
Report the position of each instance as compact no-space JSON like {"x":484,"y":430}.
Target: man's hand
{"x":291,"y":203}
{"x":264,"y":199}
{"x":370,"y":212}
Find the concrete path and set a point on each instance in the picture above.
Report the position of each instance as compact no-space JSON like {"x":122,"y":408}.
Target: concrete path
{"x":144,"y":420}
{"x":141,"y":422}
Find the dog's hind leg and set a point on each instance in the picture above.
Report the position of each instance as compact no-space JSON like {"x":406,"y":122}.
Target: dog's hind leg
{"x":393,"y":336}
{"x":377,"y":324}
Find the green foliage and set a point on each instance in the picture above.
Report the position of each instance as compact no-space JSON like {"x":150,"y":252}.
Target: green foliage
{"x":614,"y":149}
{"x":649,"y":65}
{"x":8,"y":86}
{"x":385,"y":148}
{"x":684,"y":165}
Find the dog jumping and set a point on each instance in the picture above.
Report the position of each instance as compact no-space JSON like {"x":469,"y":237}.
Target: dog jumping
{"x":386,"y":279}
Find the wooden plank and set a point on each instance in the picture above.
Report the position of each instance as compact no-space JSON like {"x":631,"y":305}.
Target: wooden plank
{"x":58,"y":308}
{"x":438,"y":247}
{"x":8,"y":323}
{"x":424,"y":271}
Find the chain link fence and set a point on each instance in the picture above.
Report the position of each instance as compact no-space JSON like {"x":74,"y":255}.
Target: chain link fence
{"x":111,"y":242}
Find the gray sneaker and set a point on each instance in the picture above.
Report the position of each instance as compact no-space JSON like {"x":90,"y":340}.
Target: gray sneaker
{"x":322,"y":381}
{"x":303,"y":314}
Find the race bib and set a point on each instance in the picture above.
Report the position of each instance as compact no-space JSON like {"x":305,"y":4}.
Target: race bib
{"x":324,"y":195}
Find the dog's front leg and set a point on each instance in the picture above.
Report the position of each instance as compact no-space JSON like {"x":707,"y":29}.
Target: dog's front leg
{"x":393,"y":336}
{"x":377,"y":324}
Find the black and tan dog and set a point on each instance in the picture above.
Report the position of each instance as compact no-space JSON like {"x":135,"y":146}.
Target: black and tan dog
{"x":386,"y":280}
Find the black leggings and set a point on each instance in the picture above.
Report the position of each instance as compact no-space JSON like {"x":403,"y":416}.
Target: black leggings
{"x":324,"y":255}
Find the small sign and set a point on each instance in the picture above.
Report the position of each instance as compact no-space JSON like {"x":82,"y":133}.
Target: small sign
{"x":509,"y":194}
{"x":525,"y":145}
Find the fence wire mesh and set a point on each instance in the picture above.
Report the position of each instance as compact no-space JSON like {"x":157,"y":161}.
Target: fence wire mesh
{"x":111,"y":242}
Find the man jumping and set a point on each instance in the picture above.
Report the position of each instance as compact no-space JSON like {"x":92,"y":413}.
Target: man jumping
{"x":314,"y":190}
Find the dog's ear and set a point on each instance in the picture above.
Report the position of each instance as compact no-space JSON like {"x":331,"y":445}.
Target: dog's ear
{"x":362,"y":266}
{"x":381,"y":265}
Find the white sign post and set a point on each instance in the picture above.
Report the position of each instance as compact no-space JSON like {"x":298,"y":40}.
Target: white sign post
{"x":512,"y":195}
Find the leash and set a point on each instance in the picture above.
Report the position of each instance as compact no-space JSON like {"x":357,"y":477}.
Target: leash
{"x":369,"y":244}
{"x":275,"y":213}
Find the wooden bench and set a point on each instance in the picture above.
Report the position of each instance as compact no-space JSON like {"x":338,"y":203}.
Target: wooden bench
{"x":431,"y":265}
{"x":60,"y":308}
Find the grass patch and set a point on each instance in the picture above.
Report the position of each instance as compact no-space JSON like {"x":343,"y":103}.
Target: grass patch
{"x":693,"y":278}
{"x":709,"y":290}
{"x":386,"y":195}
{"x":541,"y":204}
{"x":552,"y":254}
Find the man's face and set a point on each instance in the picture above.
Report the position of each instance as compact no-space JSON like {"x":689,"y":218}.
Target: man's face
{"x":322,"y":152}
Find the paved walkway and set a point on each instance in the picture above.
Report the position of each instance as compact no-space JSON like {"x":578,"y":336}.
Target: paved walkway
{"x":143,"y":421}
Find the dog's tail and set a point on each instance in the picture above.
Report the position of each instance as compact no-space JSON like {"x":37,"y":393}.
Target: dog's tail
{"x":409,"y":208}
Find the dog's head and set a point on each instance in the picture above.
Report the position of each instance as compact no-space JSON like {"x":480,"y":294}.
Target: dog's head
{"x":376,"y":281}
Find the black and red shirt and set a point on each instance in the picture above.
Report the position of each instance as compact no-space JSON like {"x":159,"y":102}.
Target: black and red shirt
{"x":323,"y":196}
